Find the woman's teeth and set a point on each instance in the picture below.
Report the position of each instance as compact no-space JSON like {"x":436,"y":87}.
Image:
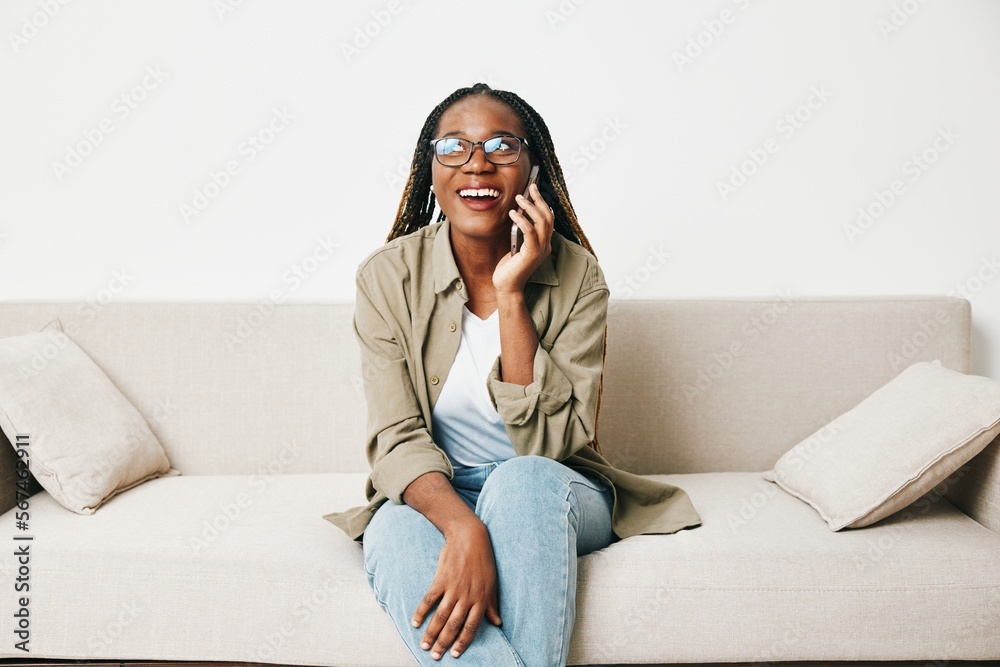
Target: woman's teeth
{"x":487,"y":193}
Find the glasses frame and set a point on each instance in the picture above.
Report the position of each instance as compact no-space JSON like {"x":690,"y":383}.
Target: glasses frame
{"x":521,"y":140}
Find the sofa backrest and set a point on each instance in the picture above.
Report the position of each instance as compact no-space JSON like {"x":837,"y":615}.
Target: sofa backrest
{"x":731,"y":385}
{"x":690,"y":385}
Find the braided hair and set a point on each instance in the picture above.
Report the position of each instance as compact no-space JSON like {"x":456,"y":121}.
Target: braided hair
{"x":417,"y":203}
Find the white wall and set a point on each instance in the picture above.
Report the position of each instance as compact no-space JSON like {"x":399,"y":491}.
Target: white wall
{"x":899,"y":79}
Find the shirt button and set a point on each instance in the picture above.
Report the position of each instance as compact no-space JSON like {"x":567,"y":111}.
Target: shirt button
{"x":459,"y":284}
{"x":452,"y":327}
{"x":434,"y":379}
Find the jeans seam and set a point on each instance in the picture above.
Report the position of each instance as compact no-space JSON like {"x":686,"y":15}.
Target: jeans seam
{"x":570,"y":553}
{"x":513,"y":652}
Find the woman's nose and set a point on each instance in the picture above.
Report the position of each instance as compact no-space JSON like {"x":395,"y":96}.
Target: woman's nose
{"x":477,"y":161}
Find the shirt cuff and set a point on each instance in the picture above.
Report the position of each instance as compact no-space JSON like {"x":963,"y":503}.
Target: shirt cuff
{"x":549,"y":390}
{"x":405,"y":463}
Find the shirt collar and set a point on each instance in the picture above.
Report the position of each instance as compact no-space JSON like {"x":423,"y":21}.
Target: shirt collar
{"x":446,"y":270}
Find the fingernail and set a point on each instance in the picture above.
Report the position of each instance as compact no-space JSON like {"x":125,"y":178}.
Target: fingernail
{"x":519,"y":197}
{"x":436,"y":655}
{"x":425,"y":645}
{"x":454,"y":652}
{"x":415,"y":624}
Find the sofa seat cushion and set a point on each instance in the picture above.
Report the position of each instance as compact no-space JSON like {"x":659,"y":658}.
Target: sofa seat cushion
{"x":765,"y":579}
{"x":244,"y":568}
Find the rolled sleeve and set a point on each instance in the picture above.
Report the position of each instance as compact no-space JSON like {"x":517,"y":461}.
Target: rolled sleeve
{"x":549,"y":390}
{"x":556,"y":414}
{"x":404,"y":462}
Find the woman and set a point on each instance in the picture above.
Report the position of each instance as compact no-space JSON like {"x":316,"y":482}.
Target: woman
{"x":482,"y":373}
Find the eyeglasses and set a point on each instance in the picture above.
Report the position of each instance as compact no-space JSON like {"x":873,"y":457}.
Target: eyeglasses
{"x":454,"y":152}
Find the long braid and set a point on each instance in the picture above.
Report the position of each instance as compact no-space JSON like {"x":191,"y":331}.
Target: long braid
{"x":417,"y":204}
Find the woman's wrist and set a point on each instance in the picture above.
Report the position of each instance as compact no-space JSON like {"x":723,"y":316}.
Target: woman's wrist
{"x":510,"y":299}
{"x":465,"y":525}
{"x":432,"y":495}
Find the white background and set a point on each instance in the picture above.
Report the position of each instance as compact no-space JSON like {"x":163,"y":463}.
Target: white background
{"x":644,"y":138}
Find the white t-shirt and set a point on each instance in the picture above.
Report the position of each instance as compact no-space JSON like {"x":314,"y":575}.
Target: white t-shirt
{"x":464,"y":422}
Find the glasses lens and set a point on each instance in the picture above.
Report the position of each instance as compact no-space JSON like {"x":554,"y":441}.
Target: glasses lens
{"x":502,"y":150}
{"x":452,"y":151}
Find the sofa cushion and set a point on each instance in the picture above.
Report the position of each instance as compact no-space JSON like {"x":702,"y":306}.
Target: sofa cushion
{"x":893,"y":447}
{"x":244,"y":568}
{"x":85,"y":442}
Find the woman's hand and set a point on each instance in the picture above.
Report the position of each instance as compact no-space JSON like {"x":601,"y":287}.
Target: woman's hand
{"x":513,"y":271}
{"x":465,"y":585}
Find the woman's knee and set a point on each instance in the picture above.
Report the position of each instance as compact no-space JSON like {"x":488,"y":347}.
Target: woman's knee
{"x":536,"y":487}
{"x":399,"y":532}
{"x":525,"y":481}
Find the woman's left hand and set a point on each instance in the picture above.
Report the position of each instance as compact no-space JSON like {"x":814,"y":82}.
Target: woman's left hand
{"x":513,"y":271}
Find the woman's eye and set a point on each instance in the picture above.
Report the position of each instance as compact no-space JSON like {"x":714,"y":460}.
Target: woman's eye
{"x":449,"y":147}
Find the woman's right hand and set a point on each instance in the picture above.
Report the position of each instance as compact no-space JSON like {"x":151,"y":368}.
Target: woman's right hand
{"x":464,"y":588}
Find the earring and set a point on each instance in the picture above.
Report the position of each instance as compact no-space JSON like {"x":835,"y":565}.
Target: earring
{"x":432,"y":188}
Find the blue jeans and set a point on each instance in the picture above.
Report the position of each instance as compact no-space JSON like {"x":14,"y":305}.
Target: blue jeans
{"x":541,"y":515}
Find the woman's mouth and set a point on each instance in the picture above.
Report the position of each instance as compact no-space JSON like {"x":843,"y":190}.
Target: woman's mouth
{"x":479,"y":199}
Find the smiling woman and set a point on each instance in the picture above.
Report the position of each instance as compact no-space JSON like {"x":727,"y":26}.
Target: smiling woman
{"x":483,"y":380}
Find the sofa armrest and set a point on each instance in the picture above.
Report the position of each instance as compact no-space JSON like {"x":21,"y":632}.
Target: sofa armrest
{"x":975,"y":487}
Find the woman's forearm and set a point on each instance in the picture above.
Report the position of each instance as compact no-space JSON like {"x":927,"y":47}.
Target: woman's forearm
{"x":432,"y":495}
{"x":518,"y":339}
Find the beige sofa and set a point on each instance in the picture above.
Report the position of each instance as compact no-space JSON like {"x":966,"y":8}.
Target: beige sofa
{"x":261,"y":409}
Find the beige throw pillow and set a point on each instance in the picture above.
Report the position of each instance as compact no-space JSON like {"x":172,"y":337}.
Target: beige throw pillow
{"x":86,"y":441}
{"x":893,"y":447}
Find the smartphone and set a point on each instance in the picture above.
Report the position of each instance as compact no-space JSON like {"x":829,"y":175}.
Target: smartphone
{"x":516,"y":235}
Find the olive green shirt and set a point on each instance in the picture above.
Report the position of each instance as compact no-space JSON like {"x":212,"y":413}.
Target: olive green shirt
{"x":408,"y":322}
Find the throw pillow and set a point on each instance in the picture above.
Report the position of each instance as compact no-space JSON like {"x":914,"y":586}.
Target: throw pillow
{"x":86,"y":441}
{"x":893,"y":447}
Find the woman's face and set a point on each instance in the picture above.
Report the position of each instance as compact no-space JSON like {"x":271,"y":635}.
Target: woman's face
{"x":477,"y":118}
